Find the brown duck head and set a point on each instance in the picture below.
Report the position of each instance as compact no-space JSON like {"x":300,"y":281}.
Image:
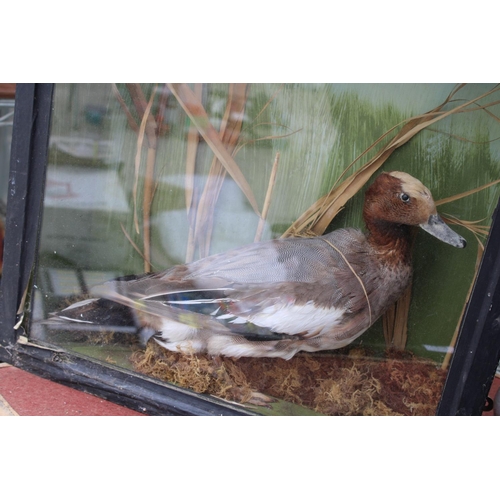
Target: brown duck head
{"x":395,"y":202}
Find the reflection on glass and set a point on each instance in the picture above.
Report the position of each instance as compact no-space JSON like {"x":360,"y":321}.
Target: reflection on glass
{"x":6,"y":122}
{"x":143,"y":177}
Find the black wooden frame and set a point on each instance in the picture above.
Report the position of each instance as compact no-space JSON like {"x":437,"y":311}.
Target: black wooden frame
{"x":478,"y":348}
{"x":469,"y":379}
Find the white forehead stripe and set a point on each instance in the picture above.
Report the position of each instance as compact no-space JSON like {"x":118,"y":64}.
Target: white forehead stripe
{"x":411,"y":185}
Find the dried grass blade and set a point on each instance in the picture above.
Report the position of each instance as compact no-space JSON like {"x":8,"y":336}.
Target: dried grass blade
{"x":402,"y":311}
{"x":141,"y":104}
{"x":161,"y":125}
{"x":267,"y":138}
{"x":463,"y":139}
{"x":213,"y":185}
{"x":388,"y":320}
{"x":345,"y":191}
{"x":146,"y":206}
{"x":194,"y":109}
{"x":130,"y":119}
{"x":206,"y":207}
{"x":495,"y":117}
{"x":148,"y":190}
{"x":395,"y":322}
{"x":457,"y":88}
{"x":268,"y":198}
{"x":192,"y":202}
{"x":466,"y":193}
{"x":140,"y":140}
{"x":131,"y":241}
{"x":271,"y":99}
{"x":192,"y":148}
{"x":473,"y":228}
{"x":191,"y":244}
{"x":230,"y":129}
{"x":403,"y":138}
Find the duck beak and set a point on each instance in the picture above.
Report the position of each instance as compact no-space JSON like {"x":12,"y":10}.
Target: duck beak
{"x":438,"y":228}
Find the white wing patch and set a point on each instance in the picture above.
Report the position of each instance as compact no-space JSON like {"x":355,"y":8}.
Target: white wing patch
{"x":294,"y":319}
{"x":290,"y":319}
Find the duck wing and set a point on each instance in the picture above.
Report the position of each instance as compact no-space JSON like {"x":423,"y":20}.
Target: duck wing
{"x":266,"y":291}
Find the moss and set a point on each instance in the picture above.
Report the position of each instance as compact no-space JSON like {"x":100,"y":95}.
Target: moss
{"x":349,"y":383}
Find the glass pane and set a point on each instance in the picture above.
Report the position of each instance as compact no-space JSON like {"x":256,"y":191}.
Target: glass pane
{"x":145,"y":177}
{"x":6,"y":122}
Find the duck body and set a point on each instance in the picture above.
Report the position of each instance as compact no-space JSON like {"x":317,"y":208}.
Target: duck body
{"x":275,"y":298}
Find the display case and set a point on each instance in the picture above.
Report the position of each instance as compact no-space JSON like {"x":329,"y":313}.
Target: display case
{"x":125,"y":180}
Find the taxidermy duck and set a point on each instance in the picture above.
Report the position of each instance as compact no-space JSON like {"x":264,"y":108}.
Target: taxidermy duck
{"x":279,"y":297}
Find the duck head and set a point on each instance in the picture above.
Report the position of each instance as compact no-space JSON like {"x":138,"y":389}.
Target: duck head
{"x":397,"y":200}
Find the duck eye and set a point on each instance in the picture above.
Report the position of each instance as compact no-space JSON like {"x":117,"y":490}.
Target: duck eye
{"x":404,"y":197}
